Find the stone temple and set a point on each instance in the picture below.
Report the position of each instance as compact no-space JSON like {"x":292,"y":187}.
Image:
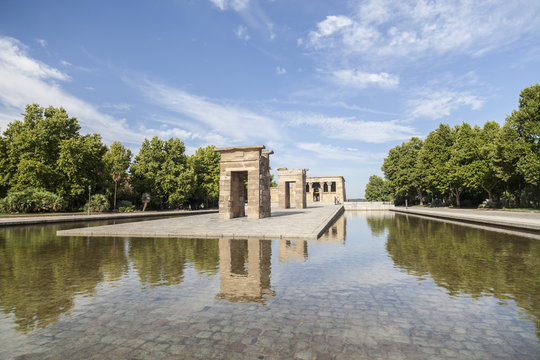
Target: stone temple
{"x":238,"y":165}
{"x":291,"y":181}
{"x":245,"y":178}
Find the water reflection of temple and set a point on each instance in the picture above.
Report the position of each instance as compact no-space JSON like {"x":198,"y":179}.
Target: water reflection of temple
{"x":293,"y":250}
{"x":337,"y":231}
{"x":245,"y":267}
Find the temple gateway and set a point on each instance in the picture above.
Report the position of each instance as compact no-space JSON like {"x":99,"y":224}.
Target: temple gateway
{"x":245,"y":178}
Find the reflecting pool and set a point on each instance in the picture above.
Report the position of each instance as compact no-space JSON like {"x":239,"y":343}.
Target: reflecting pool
{"x":376,"y":285}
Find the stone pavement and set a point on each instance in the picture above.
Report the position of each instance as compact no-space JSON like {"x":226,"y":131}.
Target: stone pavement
{"x":308,"y":223}
{"x":49,"y":219}
{"x":529,"y":221}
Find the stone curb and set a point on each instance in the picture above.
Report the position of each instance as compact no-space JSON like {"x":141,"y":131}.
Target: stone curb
{"x":80,"y":218}
{"x":495,"y":220}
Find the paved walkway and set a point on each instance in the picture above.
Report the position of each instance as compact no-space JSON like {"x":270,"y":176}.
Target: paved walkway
{"x":47,"y":219}
{"x":529,"y":221}
{"x":309,"y":223}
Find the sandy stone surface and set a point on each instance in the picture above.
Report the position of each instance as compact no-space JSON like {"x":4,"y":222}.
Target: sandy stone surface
{"x":308,"y":223}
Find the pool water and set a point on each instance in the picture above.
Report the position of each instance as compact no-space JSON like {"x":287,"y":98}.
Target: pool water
{"x":376,"y":285}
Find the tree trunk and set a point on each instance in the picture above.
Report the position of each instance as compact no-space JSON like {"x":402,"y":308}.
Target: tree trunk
{"x":421,"y":197}
{"x":490,"y":193}
{"x":114,"y":201}
{"x":458,"y":203}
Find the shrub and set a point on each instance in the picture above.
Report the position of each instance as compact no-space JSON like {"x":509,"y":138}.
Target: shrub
{"x":124,"y":203}
{"x":126,"y":208}
{"x":31,"y":200}
{"x":98,"y":203}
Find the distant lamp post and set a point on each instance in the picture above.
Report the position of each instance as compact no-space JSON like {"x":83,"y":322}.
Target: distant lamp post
{"x":89,"y":192}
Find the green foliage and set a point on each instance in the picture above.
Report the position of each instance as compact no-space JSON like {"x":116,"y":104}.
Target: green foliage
{"x":161,"y":169}
{"x":377,"y":189}
{"x":525,"y":122}
{"x":32,"y":147}
{"x":81,"y":164}
{"x":98,"y":203}
{"x":500,"y":162}
{"x":130,"y":208}
{"x":30,"y":200}
{"x":205,"y":164}
{"x":45,"y":150}
{"x":405,"y":178}
{"x":117,"y":160}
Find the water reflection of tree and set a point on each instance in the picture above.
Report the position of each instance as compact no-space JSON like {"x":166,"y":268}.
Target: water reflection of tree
{"x":162,"y":261}
{"x":464,"y":259}
{"x":40,"y":273}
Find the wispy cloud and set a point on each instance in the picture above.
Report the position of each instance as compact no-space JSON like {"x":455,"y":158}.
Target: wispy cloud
{"x":235,"y":124}
{"x":330,"y":152}
{"x":280,"y":70}
{"x":26,"y":80}
{"x":348,"y":128}
{"x":237,"y":5}
{"x":241,"y":33}
{"x":361,"y":80}
{"x":251,"y":13}
{"x":327,"y":27}
{"x":42,"y":42}
{"x":415,"y":28}
{"x":13,"y":58}
{"x":438,"y":104}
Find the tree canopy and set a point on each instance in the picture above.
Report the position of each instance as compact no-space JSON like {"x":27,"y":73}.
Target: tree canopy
{"x":45,"y":151}
{"x":498,"y":164}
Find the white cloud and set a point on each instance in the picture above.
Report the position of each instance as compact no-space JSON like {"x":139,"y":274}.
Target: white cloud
{"x":348,"y":128}
{"x":281,"y":71}
{"x":416,"y":28}
{"x":13,"y":59}
{"x":361,"y":80}
{"x":26,"y":80}
{"x":438,"y":104}
{"x":235,"y":124}
{"x":330,"y":152}
{"x":251,"y":13}
{"x":42,"y":42}
{"x":241,"y":33}
{"x":327,"y":27}
{"x":237,"y":5}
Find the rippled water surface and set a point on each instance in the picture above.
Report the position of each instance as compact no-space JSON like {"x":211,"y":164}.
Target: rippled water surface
{"x":377,"y":285}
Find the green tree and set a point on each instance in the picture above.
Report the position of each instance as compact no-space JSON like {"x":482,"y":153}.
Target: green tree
{"x":81,"y":164}
{"x":526,"y":123}
{"x":433,"y":159}
{"x":461,"y":168}
{"x":486,"y":163}
{"x":205,"y":164}
{"x":377,"y":189}
{"x":400,"y":167}
{"x":31,"y":147}
{"x":117,"y":160}
{"x":161,"y":169}
{"x":4,"y":165}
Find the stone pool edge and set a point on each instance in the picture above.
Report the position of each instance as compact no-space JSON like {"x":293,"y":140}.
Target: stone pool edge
{"x":52,"y":219}
{"x":495,"y":220}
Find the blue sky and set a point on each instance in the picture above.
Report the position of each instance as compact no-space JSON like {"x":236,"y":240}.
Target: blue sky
{"x":328,"y":85}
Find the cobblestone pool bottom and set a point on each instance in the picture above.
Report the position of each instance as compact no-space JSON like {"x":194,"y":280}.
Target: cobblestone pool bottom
{"x":341,"y":299}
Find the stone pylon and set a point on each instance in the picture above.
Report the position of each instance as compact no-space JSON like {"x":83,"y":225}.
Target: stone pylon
{"x":238,"y":165}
